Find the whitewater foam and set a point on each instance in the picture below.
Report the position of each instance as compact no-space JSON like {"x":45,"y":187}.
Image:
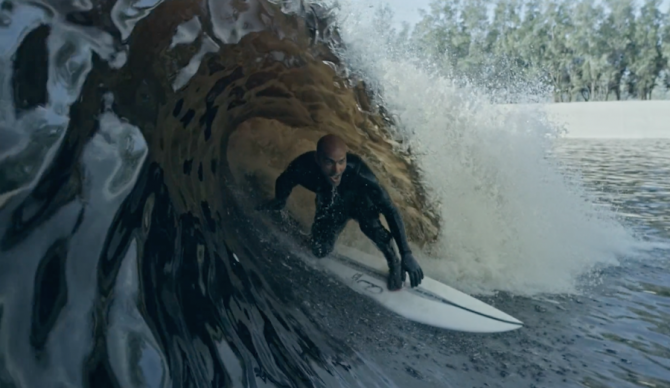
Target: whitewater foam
{"x":511,"y":220}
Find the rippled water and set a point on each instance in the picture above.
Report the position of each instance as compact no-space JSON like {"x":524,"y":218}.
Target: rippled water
{"x":629,"y":174}
{"x":628,"y":326}
{"x":130,"y":256}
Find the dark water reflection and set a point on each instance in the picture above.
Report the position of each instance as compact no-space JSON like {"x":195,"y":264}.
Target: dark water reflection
{"x":142,"y":296}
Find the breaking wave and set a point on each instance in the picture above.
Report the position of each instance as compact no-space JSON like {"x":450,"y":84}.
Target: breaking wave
{"x":137,"y":136}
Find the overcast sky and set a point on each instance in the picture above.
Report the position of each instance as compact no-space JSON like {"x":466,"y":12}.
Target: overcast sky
{"x":408,"y":10}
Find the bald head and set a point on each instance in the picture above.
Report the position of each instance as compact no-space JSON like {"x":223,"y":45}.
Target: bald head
{"x":331,"y":155}
{"x":331,"y":144}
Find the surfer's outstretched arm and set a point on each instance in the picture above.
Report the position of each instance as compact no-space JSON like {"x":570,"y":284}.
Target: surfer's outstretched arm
{"x":286,"y":181}
{"x":284,"y":185}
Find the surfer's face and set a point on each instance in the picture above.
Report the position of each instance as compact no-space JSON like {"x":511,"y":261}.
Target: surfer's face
{"x":333,"y":163}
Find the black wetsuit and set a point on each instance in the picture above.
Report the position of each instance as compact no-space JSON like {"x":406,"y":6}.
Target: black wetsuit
{"x":359,"y":196}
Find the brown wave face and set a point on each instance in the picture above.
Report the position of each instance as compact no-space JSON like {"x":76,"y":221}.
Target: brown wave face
{"x":225,"y":93}
{"x":254,"y":104}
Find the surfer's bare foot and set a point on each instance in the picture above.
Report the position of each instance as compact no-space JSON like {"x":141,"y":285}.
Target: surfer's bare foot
{"x":394,"y":279}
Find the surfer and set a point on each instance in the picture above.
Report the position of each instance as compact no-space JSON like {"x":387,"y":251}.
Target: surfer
{"x":347,"y":189}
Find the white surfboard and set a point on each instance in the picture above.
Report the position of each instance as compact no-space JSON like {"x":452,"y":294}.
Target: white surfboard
{"x":432,"y":303}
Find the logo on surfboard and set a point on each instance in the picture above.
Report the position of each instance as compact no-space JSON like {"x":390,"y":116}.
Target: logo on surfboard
{"x":366,"y":285}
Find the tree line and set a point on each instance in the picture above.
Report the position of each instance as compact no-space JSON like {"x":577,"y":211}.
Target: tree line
{"x":583,"y":50}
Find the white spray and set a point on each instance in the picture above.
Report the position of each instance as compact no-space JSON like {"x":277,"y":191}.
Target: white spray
{"x":511,"y":220}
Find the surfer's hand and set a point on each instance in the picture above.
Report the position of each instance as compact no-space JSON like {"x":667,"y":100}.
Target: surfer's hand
{"x":273,"y":205}
{"x":394,"y":281}
{"x":410,"y":266}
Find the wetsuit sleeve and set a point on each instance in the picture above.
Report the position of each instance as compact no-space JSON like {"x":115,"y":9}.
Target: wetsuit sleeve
{"x":288,"y":179}
{"x":382,"y":200}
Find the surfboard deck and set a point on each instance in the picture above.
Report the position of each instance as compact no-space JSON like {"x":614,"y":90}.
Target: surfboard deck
{"x":432,"y":303}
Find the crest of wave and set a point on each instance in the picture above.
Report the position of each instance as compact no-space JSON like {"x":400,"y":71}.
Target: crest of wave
{"x":512,"y":220}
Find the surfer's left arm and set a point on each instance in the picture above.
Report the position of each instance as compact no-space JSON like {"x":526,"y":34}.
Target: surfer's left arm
{"x":284,"y":184}
{"x":383,"y":200}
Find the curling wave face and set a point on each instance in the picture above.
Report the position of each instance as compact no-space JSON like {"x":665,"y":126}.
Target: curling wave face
{"x":133,"y":136}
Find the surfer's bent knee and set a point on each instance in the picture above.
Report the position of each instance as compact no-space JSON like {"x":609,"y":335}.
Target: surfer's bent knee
{"x":321,"y":250}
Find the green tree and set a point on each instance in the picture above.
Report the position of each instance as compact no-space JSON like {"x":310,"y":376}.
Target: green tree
{"x":584,"y":49}
{"x":665,"y":45}
{"x":470,"y":38}
{"x":531,"y":35}
{"x":648,"y":58}
{"x":434,"y":34}
{"x":618,"y":31}
{"x":588,"y":48}
{"x":557,"y":57}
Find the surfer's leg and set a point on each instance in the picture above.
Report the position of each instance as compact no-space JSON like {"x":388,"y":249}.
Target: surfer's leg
{"x":375,"y":231}
{"x":324,"y":235}
{"x":326,"y":228}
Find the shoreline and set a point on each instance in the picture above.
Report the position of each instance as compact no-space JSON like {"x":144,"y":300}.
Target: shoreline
{"x":606,"y":119}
